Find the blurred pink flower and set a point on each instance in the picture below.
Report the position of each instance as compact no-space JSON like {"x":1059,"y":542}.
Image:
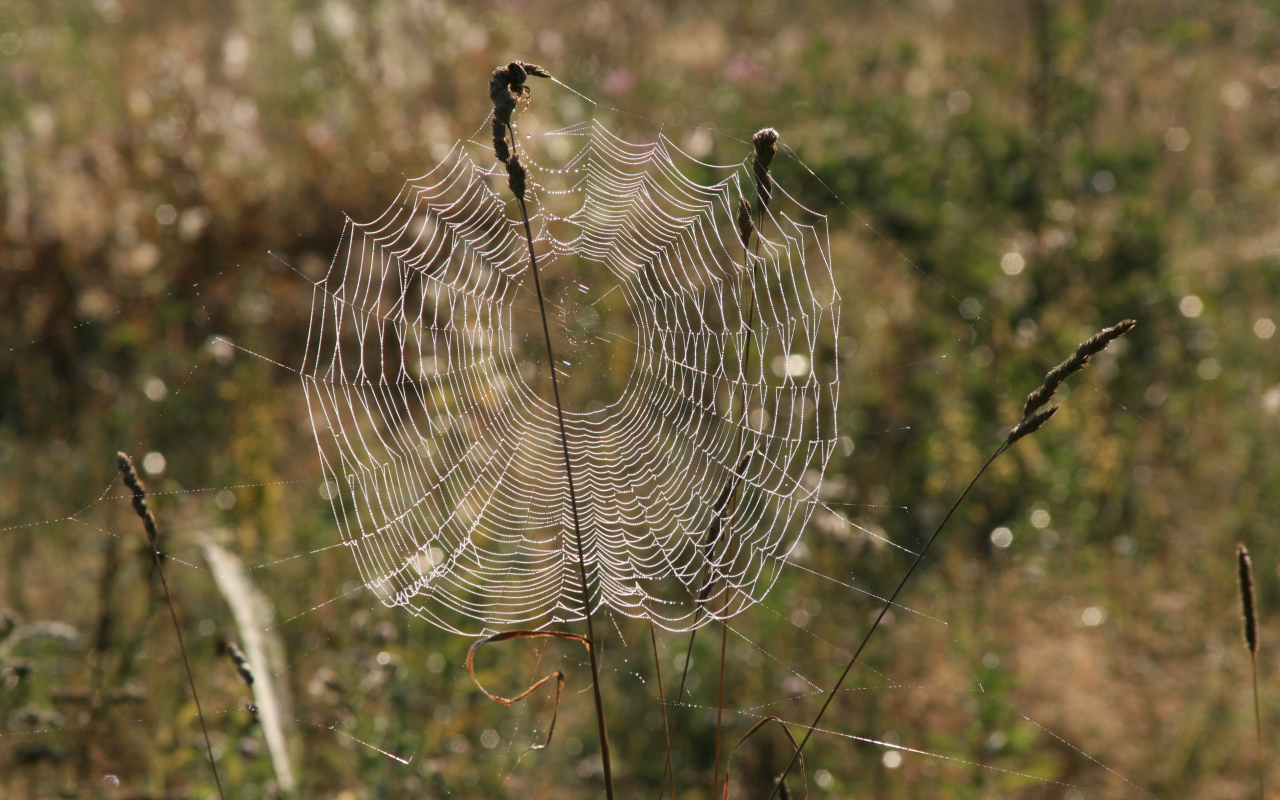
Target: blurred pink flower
{"x":742,"y":68}
{"x":618,"y":81}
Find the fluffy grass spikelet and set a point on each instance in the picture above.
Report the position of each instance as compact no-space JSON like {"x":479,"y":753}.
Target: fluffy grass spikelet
{"x":1078,"y":360}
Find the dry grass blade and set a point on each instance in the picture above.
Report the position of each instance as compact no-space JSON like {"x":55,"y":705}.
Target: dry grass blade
{"x":264,"y":650}
{"x":717,"y":518}
{"x":754,"y":729}
{"x":557,"y":675}
{"x":130,"y":475}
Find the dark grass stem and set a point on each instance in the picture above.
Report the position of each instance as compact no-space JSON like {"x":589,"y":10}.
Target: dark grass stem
{"x":573,"y":507}
{"x":724,"y":645}
{"x":1034,"y":416}
{"x":506,"y":89}
{"x":149,"y":524}
{"x":880,"y":617}
{"x":765,"y":144}
{"x":1257,"y":721}
{"x":662,"y":698}
{"x":745,"y":229}
{"x":675,"y":718}
{"x":765,"y":141}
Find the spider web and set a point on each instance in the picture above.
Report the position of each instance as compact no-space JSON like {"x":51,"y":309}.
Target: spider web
{"x":425,"y":376}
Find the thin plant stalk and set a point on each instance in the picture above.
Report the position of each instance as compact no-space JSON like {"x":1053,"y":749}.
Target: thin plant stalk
{"x":724,"y":643}
{"x":765,"y":143}
{"x":880,"y":617}
{"x":1034,"y":416}
{"x":1257,"y":721}
{"x":573,"y":506}
{"x":675,"y":719}
{"x":505,"y":89}
{"x":745,"y":230}
{"x":662,"y":698}
{"x":131,"y":480}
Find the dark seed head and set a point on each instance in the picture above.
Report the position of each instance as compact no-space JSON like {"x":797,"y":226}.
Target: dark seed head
{"x":243,"y":667}
{"x":500,"y":148}
{"x":745,"y":225}
{"x":505,"y":88}
{"x":516,"y":173}
{"x":1031,"y":424}
{"x":766,"y":145}
{"x":130,"y":475}
{"x":1248,"y":610}
{"x":533,"y":69}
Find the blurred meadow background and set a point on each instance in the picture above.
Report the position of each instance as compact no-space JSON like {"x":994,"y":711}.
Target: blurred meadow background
{"x":1002,"y":180}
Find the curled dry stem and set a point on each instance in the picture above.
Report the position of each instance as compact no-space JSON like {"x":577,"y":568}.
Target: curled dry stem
{"x":754,"y":729}
{"x":557,"y":675}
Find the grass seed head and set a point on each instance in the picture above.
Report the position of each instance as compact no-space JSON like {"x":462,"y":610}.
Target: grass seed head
{"x":1247,"y":608}
{"x":1031,"y":424}
{"x":131,"y":479}
{"x":243,"y":667}
{"x":766,"y":146}
{"x":1076,"y":362}
{"x":745,"y":225}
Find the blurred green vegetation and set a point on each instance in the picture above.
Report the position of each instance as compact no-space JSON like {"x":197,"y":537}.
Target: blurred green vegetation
{"x":1002,"y":178}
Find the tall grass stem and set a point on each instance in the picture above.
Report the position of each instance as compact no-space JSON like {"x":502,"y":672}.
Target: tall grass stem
{"x":573,"y":505}
{"x":1034,"y":416}
{"x":125,"y":464}
{"x":880,"y":617}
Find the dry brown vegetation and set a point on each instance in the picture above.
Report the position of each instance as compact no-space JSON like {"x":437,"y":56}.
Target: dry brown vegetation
{"x":153,"y":154}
